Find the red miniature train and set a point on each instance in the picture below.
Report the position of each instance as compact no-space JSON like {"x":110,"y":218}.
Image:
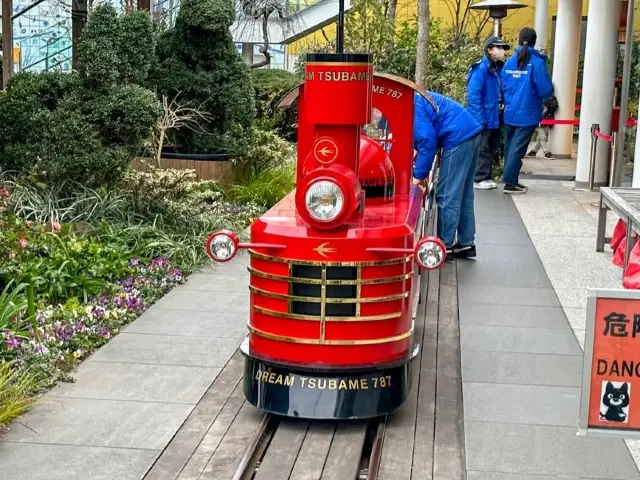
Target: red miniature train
{"x":333,"y":265}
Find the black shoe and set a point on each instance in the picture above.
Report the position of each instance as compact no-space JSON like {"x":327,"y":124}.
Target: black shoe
{"x":450,"y":255}
{"x":514,"y":189}
{"x":464,"y":251}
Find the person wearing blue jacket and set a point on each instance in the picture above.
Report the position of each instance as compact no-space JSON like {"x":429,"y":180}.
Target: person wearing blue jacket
{"x":484,"y":102}
{"x":444,"y":123}
{"x":526,"y":84}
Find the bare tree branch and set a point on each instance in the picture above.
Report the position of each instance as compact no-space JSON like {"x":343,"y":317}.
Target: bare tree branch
{"x":176,"y":115}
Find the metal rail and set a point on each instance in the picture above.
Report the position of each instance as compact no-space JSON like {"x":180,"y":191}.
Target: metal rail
{"x":256,"y":448}
{"x":376,"y":451}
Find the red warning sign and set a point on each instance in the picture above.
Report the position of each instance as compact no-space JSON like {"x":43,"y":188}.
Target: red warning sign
{"x":610,"y":397}
{"x":325,"y":150}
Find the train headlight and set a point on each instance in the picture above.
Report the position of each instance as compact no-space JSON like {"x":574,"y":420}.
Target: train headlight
{"x":324,"y":200}
{"x":222,"y":246}
{"x":430,"y":253}
{"x":327,"y":197}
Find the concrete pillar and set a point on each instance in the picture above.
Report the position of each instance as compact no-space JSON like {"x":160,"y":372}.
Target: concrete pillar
{"x":566,"y":52}
{"x":247,"y":53}
{"x":540,"y":23}
{"x":597,"y":87}
{"x":635,"y":183}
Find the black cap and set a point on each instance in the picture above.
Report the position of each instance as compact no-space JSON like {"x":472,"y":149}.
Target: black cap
{"x":496,"y":42}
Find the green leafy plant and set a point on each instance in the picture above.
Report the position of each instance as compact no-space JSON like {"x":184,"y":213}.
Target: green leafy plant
{"x":266,"y":188}
{"x":16,"y":391}
{"x":13,"y":303}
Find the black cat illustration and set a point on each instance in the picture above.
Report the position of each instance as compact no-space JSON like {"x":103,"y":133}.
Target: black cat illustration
{"x":615,"y":399}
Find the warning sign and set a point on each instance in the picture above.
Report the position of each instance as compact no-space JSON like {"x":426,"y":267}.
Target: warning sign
{"x":325,"y":150}
{"x":611,"y":378}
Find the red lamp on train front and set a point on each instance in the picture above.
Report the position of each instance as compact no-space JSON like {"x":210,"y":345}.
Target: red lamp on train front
{"x":333,"y":265}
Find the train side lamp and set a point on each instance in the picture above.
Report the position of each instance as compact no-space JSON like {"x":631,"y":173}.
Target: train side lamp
{"x":223,"y":245}
{"x":498,"y":11}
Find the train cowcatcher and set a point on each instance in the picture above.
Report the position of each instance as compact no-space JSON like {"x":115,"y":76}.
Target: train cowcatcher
{"x":333,"y":267}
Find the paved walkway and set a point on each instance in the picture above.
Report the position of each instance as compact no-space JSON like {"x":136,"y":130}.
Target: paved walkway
{"x":132,"y":395}
{"x":521,"y":362}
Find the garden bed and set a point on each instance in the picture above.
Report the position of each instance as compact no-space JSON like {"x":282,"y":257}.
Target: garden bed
{"x":74,"y":271}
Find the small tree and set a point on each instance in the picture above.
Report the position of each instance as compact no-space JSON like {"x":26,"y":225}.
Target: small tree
{"x":422,"y":47}
{"x":198,"y":58}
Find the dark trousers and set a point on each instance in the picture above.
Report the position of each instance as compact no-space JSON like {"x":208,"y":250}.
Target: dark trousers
{"x":517,"y":141}
{"x":489,"y":146}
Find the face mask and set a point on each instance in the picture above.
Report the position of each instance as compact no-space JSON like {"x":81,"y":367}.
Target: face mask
{"x":498,"y":54}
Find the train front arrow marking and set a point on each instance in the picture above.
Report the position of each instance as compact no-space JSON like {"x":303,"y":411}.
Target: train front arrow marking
{"x":325,"y":150}
{"x":322,"y":249}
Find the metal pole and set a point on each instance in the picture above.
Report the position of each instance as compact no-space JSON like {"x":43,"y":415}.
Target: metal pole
{"x":614,"y":167}
{"x":496,"y":27}
{"x":340,"y":28}
{"x":626,"y":82}
{"x":7,"y":42}
{"x":594,"y":150}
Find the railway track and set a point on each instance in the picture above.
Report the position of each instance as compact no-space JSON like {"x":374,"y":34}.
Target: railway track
{"x":226,"y":438}
{"x":366,"y":465}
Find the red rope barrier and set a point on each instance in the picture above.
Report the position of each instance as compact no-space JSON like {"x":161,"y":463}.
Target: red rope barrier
{"x":552,"y":121}
{"x":632,"y":122}
{"x":602,"y":136}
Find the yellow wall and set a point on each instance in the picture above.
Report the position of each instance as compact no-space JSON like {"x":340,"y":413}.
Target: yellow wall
{"x":407,"y":10}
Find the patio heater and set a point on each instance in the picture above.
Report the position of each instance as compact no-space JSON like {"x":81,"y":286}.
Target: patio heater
{"x":498,"y":11}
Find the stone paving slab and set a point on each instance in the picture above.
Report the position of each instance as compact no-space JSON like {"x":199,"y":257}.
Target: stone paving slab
{"x":168,"y":350}
{"x":527,"y":404}
{"x":492,"y":295}
{"x":100,"y":423}
{"x":473,"y":314}
{"x":518,"y":476}
{"x":138,"y":382}
{"x":517,"y":266}
{"x":195,"y":324}
{"x":32,"y":461}
{"x":519,"y":340}
{"x":501,"y":234}
{"x":545,"y":450}
{"x":522,"y":368}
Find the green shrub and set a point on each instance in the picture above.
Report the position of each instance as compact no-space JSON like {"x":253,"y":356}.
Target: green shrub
{"x":198,"y":60}
{"x":270,"y":86}
{"x":265,"y":189}
{"x":123,"y":116}
{"x":84,"y":127}
{"x":115,"y":50}
{"x":254,"y":151}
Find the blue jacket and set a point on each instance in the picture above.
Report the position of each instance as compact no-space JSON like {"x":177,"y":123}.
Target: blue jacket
{"x":525,"y":90}
{"x":445,"y":129}
{"x":484,"y":93}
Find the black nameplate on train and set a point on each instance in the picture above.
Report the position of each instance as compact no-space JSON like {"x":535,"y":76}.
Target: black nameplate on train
{"x":292,"y":392}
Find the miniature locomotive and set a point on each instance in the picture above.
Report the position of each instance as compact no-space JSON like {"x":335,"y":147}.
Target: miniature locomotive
{"x":333,"y":265}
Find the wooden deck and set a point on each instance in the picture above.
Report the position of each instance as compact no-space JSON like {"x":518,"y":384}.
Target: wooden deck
{"x":423,"y":440}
